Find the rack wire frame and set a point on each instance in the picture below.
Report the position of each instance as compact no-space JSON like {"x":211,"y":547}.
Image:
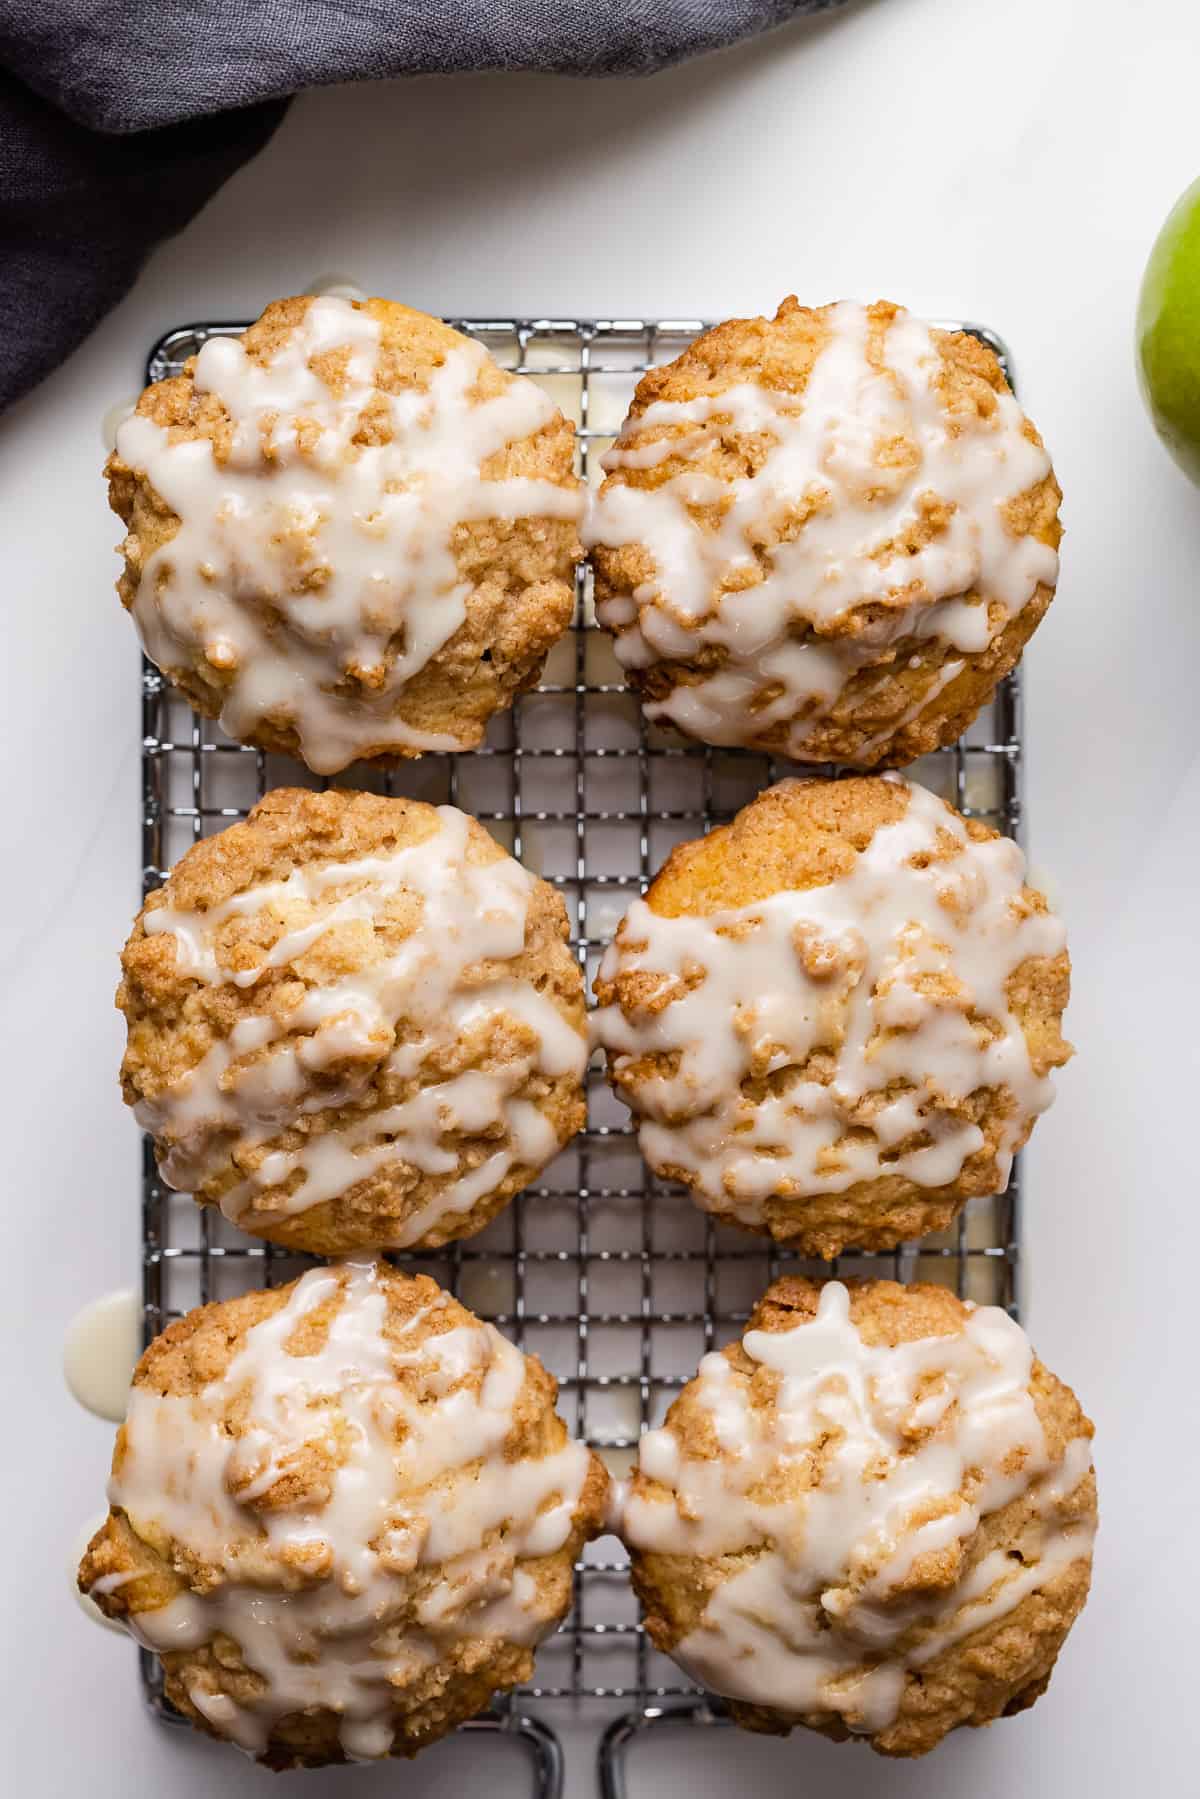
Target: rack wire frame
{"x":614,"y":1278}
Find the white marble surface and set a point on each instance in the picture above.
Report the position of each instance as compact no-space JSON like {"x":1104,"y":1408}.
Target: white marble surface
{"x":1009,"y":161}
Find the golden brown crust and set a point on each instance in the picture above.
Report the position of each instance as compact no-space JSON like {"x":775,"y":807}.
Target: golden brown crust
{"x":803,"y":834}
{"x":867,"y":726}
{"x":797,"y":835}
{"x":196,"y":1351}
{"x":520,"y":571}
{"x":993,"y":1672}
{"x":174,"y":1019}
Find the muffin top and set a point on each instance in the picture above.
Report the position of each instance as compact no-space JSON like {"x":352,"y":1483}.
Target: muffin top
{"x":848,"y":985}
{"x":342,"y":1511}
{"x":797,"y":501}
{"x":351,"y":532}
{"x":873,"y":1475}
{"x":353,"y":1021}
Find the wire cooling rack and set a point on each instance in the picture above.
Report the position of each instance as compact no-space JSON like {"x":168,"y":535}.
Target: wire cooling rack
{"x":613,"y":1278}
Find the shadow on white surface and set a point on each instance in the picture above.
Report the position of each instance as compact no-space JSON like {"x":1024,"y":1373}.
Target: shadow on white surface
{"x":484,"y":1765}
{"x":730,"y":1761}
{"x":705,"y":1763}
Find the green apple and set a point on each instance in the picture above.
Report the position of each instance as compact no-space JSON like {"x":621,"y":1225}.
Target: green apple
{"x":1168,"y":333}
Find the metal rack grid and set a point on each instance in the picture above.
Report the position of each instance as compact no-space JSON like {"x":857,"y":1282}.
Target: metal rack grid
{"x":614,"y":1279}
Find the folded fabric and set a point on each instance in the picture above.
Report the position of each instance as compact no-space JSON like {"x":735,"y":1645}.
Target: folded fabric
{"x":120,"y":118}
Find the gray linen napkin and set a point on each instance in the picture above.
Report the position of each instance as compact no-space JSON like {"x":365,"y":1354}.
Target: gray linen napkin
{"x":120,"y":118}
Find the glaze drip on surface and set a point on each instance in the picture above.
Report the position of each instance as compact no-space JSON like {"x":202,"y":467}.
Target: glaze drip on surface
{"x":103,"y":1343}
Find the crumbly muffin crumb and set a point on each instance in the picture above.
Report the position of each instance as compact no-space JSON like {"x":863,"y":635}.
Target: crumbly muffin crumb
{"x":872,"y":1516}
{"x":353,"y":1022}
{"x":343,"y":1514}
{"x":350,"y":533}
{"x":835,"y":1019}
{"x":826,"y":535}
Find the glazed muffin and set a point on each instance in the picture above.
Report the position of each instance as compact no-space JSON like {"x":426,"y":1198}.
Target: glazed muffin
{"x":872,"y":1516}
{"x":350,"y":533}
{"x":835,"y":1019}
{"x":343,"y":1513}
{"x":353,"y":1022}
{"x":826,"y":535}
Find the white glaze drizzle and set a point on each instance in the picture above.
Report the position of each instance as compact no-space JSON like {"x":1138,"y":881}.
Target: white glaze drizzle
{"x":708,"y":590}
{"x":813,"y":1621}
{"x":317,"y":572}
{"x":391,"y":1014}
{"x":317,"y":1593}
{"x":890,"y":970}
